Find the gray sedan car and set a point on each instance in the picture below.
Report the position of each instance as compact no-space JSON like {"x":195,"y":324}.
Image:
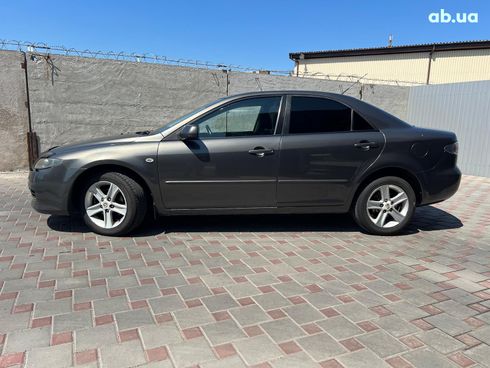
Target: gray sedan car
{"x":265,"y":152}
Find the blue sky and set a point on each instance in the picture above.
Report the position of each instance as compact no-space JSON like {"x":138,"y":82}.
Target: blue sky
{"x":251,"y":33}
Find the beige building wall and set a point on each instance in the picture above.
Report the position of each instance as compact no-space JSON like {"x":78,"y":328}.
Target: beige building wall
{"x":460,"y":66}
{"x":403,"y":68}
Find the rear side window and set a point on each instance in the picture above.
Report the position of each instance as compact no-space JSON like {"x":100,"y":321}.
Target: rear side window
{"x":318,"y":115}
{"x":359,"y":123}
{"x":321,"y":115}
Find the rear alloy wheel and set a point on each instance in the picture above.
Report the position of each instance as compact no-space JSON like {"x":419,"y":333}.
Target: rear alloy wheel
{"x":385,"y":206}
{"x":113,"y":204}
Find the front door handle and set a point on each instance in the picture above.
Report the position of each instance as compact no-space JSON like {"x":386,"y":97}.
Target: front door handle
{"x":261,"y":151}
{"x":366,"y":145}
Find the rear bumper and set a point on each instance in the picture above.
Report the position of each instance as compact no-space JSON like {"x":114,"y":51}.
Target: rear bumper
{"x":49,"y":193}
{"x":439,"y":184}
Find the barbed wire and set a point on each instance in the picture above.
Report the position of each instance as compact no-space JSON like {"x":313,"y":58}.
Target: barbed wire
{"x":40,"y":47}
{"x":353,"y":78}
{"x":44,"y":48}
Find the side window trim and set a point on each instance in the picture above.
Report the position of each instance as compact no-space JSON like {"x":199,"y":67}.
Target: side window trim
{"x":287,"y":116}
{"x":280,"y":123}
{"x":351,"y":119}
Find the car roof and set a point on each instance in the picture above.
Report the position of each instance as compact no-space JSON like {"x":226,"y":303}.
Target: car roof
{"x":376,"y":116}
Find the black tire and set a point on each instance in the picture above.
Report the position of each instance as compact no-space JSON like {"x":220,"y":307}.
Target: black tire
{"x":133,"y":196}
{"x":362,"y":216}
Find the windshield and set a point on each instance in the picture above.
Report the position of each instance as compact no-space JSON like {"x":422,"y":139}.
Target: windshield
{"x":182,"y":118}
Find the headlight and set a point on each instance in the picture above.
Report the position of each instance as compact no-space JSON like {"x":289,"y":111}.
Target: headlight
{"x":45,"y":163}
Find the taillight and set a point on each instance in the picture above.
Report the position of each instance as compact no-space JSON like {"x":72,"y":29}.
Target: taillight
{"x":452,"y":148}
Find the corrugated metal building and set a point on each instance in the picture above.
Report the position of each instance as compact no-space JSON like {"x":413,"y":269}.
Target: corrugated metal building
{"x":403,"y":65}
{"x":463,"y":108}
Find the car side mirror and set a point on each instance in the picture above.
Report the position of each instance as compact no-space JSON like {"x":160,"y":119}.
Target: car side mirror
{"x":189,"y":132}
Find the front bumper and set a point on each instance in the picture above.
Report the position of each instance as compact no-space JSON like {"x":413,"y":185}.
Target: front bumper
{"x":49,"y":191}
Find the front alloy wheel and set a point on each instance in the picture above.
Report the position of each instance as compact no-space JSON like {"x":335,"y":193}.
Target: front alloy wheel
{"x":113,"y":203}
{"x":385,"y":206}
{"x":105,"y":204}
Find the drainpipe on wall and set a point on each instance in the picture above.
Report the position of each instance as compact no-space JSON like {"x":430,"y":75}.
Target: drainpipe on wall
{"x":302,"y":57}
{"x":431,"y":53}
{"x":32,"y":142}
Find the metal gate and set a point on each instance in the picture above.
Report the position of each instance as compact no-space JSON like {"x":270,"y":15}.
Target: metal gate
{"x":463,"y":108}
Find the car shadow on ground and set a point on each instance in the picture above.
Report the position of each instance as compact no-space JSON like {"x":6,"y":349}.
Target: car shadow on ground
{"x":425,"y":219}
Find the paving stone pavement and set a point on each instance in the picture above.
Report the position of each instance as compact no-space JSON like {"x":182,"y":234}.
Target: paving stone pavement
{"x":246,"y":291}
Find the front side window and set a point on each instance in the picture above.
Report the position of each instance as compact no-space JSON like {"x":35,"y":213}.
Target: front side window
{"x":318,"y":115}
{"x":255,"y":116}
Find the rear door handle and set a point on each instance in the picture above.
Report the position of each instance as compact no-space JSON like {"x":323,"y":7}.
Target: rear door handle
{"x":261,"y":151}
{"x":366,"y":145}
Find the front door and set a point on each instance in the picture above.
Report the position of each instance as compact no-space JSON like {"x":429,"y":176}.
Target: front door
{"x":233,"y":163}
{"x":325,"y":147}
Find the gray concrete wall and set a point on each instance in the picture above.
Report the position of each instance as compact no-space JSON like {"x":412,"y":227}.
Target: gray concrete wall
{"x":79,"y":98}
{"x":74,"y":98}
{"x":13,"y":113}
{"x":82,"y":98}
{"x":393,"y":99}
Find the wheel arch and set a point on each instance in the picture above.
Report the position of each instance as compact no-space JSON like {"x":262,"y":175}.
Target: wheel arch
{"x":390,"y":171}
{"x":100,"y":169}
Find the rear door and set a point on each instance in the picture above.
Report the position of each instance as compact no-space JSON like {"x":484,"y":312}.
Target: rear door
{"x":324,"y":148}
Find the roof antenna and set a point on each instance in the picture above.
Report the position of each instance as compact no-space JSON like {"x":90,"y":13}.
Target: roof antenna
{"x":390,"y":40}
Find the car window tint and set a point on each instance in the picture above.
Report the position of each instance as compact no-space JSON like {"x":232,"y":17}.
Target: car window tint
{"x":318,"y":115}
{"x":255,"y":116}
{"x":359,"y":123}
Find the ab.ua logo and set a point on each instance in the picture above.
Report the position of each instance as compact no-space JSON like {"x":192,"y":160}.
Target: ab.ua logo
{"x":443,"y":17}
